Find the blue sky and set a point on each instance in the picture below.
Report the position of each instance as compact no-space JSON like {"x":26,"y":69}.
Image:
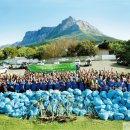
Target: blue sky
{"x":112,"y":17}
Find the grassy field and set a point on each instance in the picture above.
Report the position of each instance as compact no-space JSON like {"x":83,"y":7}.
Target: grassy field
{"x":82,"y":123}
{"x":52,"y":67}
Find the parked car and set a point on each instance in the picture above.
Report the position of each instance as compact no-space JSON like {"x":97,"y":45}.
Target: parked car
{"x":88,"y":62}
{"x":3,"y":69}
{"x":122,"y":62}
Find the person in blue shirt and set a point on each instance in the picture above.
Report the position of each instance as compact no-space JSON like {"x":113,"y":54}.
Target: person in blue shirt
{"x":74,"y":84}
{"x":56,"y":85}
{"x":62,"y":85}
{"x":104,"y":86}
{"x":17,"y":89}
{"x":100,"y":82}
{"x":111,"y":84}
{"x":128,"y":83}
{"x":44,"y":86}
{"x":81,"y":85}
{"x":34,"y":86}
{"x":21,"y":87}
{"x":27,"y":85}
{"x":68,"y":84}
{"x":49,"y":84}
{"x":39,"y":83}
{"x":118,"y":84}
{"x":124,"y":86}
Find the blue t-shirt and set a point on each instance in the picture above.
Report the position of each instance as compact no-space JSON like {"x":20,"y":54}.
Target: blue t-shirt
{"x":27,"y":86}
{"x":74,"y":85}
{"x":21,"y":86}
{"x":34,"y":87}
{"x":110,"y":83}
{"x":56,"y":86}
{"x":117,"y":84}
{"x":49,"y":85}
{"x":104,"y":87}
{"x":68,"y":85}
{"x":17,"y":87}
{"x":62,"y":86}
{"x":81,"y":86}
{"x":44,"y":86}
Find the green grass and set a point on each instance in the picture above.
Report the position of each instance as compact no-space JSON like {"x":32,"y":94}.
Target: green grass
{"x":82,"y":123}
{"x":52,"y":67}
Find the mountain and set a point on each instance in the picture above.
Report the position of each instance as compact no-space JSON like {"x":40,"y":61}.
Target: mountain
{"x":69,"y":27}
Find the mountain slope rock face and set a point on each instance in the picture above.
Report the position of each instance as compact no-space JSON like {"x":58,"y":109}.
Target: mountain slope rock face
{"x":69,"y":27}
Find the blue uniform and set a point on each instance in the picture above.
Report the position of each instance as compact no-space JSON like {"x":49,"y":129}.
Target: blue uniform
{"x":62,"y":86}
{"x":104,"y":87}
{"x":81,"y":86}
{"x":111,"y":84}
{"x":21,"y":87}
{"x":39,"y":85}
{"x":128,"y":87}
{"x":27,"y":86}
{"x":117,"y":84}
{"x":68,"y":85}
{"x":56,"y":86}
{"x":34,"y":87}
{"x":44,"y":86}
{"x":17,"y":88}
{"x":124,"y":87}
{"x":49,"y":85}
{"x":74,"y":85}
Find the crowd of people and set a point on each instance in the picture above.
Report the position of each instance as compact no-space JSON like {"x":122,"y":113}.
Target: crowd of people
{"x":82,"y":79}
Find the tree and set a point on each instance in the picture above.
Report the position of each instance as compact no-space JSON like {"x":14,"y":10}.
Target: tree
{"x":86,"y":48}
{"x":1,"y":55}
{"x":9,"y":52}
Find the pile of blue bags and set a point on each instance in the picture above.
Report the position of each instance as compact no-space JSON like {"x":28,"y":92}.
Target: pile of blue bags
{"x":113,"y":105}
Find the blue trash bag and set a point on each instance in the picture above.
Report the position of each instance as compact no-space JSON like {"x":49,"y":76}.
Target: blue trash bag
{"x":8,"y":108}
{"x":65,"y":93}
{"x":70,"y":90}
{"x":116,"y":106}
{"x":118,"y":116}
{"x":122,"y":109}
{"x":104,"y":115}
{"x":127,"y":115}
{"x":123,"y":101}
{"x":126,"y":95}
{"x":80,"y":105}
{"x":119,"y":92}
{"x":108,"y":107}
{"x":87,"y":102}
{"x":82,"y":112}
{"x":76,"y":111}
{"x":90,"y":97}
{"x":97,"y":102}
{"x":116,"y":100}
{"x":111,"y":115}
{"x":127,"y":103}
{"x":95,"y":93}
{"x":86,"y":92}
{"x":107,"y":101}
{"x":77,"y":92}
{"x":103,"y":94}
{"x":111,"y":94}
{"x":79,"y":99}
{"x":98,"y":108}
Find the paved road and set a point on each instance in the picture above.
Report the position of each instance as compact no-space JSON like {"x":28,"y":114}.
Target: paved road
{"x":108,"y":65}
{"x":98,"y":65}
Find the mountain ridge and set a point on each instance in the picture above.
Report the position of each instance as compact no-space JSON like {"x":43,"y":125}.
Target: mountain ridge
{"x":69,"y":27}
